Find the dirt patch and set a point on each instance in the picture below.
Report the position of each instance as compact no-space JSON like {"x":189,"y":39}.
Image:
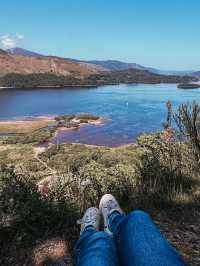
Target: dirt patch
{"x":183,"y":235}
{"x":52,"y":251}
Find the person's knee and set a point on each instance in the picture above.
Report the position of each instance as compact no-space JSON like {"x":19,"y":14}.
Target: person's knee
{"x":101,"y":240}
{"x":102,"y":236}
{"x":138,"y":214}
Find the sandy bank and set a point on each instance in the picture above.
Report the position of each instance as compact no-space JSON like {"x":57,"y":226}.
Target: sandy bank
{"x":31,"y":124}
{"x":25,"y":126}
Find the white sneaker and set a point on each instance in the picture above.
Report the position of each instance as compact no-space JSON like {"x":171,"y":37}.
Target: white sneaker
{"x":107,"y":205}
{"x":90,"y":217}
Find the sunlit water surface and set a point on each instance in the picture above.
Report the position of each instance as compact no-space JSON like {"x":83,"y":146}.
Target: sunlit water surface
{"x":129,"y":109}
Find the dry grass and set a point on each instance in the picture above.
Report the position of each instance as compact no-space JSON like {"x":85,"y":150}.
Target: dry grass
{"x":27,"y":65}
{"x":51,"y":251}
{"x":26,"y":126}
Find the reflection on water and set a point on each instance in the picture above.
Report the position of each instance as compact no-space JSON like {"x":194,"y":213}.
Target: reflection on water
{"x":130,"y":109}
{"x":90,"y":134}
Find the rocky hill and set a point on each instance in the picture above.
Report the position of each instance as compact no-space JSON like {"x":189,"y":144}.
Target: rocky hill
{"x":23,"y":68}
{"x":109,"y":65}
{"x":20,"y":64}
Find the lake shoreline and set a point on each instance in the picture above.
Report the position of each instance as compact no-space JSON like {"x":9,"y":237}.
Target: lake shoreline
{"x":29,"y":125}
{"x":49,"y":87}
{"x":88,"y":85}
{"x":131,"y":110}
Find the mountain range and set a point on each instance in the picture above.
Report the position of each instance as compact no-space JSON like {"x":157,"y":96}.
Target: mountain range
{"x":23,"y":68}
{"x":21,"y":61}
{"x":109,"y":65}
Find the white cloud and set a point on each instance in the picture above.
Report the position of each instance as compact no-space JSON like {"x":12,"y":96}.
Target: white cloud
{"x":8,"y":41}
{"x":20,"y":36}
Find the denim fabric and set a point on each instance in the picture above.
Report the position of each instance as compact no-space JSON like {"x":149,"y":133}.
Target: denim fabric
{"x":140,"y":243}
{"x":95,"y":248}
{"x":136,"y":242}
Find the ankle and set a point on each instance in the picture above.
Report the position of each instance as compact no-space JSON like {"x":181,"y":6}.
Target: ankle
{"x":114,"y":220}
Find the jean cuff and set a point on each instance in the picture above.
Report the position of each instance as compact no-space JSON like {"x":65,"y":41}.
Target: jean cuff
{"x":115,"y":218}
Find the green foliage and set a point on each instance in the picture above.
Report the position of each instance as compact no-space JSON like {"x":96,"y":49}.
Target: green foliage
{"x":82,"y":121}
{"x":160,"y":171}
{"x":86,"y":185}
{"x":87,"y":117}
{"x":35,"y":137}
{"x":121,"y":181}
{"x":137,"y":76}
{"x":65,"y":117}
{"x":170,"y":160}
{"x":163,"y":170}
{"x":113,"y":77}
{"x":37,"y":80}
{"x":187,"y":119}
{"x":98,"y":170}
{"x":26,"y":214}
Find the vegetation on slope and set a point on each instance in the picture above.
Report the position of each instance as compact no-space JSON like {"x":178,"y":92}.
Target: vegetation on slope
{"x":37,"y":80}
{"x":159,"y":174}
{"x":137,"y":76}
{"x":104,"y":78}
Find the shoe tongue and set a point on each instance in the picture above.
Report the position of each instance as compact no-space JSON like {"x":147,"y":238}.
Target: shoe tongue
{"x":111,"y":205}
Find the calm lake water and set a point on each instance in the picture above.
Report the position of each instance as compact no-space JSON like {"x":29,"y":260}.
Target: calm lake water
{"x":129,"y":109}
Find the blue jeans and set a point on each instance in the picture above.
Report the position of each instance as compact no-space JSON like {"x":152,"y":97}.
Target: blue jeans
{"x":136,"y":241}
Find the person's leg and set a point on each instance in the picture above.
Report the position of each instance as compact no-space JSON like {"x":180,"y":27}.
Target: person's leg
{"x":139,"y":241}
{"x":94,"y":247}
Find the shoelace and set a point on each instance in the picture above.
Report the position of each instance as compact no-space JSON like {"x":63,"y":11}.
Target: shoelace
{"x":91,"y":219}
{"x":110,"y":205}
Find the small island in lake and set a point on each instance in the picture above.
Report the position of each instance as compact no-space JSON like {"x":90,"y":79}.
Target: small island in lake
{"x":188,"y":86}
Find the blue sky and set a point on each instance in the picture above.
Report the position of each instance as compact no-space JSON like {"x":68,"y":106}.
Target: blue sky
{"x":158,"y":33}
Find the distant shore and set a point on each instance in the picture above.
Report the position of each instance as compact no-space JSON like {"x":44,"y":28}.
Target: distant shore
{"x":86,"y":86}
{"x":188,"y":86}
{"x":49,"y":87}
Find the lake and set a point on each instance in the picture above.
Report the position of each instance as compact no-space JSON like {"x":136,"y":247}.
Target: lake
{"x":129,"y":109}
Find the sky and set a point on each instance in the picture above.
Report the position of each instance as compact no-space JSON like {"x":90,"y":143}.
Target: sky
{"x":159,"y":33}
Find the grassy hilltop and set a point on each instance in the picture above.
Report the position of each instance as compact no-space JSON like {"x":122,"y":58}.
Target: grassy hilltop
{"x":43,"y":194}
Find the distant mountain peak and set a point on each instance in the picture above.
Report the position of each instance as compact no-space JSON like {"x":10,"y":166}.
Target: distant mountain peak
{"x":23,"y":52}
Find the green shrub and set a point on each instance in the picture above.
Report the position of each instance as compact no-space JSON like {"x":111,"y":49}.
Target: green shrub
{"x":87,"y":116}
{"x":27,"y":215}
{"x":36,"y":137}
{"x":170,"y":160}
{"x":83,"y":121}
{"x":121,"y":181}
{"x":187,"y":119}
{"x":65,"y":117}
{"x":163,"y":169}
